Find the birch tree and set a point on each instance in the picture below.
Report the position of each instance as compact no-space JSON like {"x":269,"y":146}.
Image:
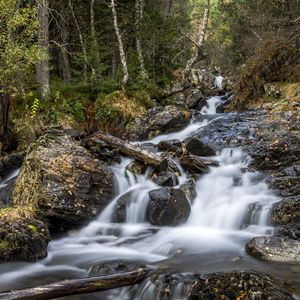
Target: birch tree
{"x":139,"y":13}
{"x":199,"y":43}
{"x":42,"y":66}
{"x":120,"y":43}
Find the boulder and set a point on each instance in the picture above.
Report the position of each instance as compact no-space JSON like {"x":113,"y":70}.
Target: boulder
{"x":113,"y":268}
{"x":195,"y":164}
{"x":167,"y":207}
{"x":279,"y":248}
{"x":62,"y":182}
{"x":101,"y":150}
{"x":196,"y":147}
{"x":215,"y":286}
{"x":194,"y":97}
{"x":170,"y":145}
{"x":287,"y":211}
{"x":166,"y":179}
{"x":189,"y":189}
{"x":22,"y":238}
{"x":157,"y":121}
{"x":124,"y":201}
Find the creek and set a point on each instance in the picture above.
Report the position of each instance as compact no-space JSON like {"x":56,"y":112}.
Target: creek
{"x":231,"y":207}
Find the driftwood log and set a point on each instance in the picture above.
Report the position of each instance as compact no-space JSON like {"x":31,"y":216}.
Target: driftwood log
{"x":77,"y":286}
{"x":189,"y":162}
{"x":128,"y":149}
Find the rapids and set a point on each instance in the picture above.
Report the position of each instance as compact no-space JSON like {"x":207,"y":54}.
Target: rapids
{"x":232,"y":206}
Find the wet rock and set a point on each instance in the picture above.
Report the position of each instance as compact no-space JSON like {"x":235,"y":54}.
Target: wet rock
{"x":196,"y":147}
{"x":167,"y":207}
{"x":63,"y":182}
{"x":166,"y":179}
{"x":194,"y":164}
{"x":113,"y":268}
{"x":22,"y":239}
{"x":278,"y":248}
{"x":5,"y":192}
{"x":10,"y":161}
{"x":101,"y":150}
{"x":287,"y":211}
{"x":194,"y":97}
{"x":135,"y":168}
{"x":228,"y":286}
{"x":189,"y":189}
{"x":168,"y":164}
{"x":221,"y":108}
{"x":170,"y":145}
{"x":120,"y":211}
{"x":158,"y":120}
{"x":238,"y":285}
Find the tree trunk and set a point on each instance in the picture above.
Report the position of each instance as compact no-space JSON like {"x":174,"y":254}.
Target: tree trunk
{"x":64,"y":55}
{"x":121,"y":45}
{"x":95,"y":52}
{"x":84,"y":51}
{"x":149,"y":158}
{"x":77,"y":286}
{"x":198,"y":54}
{"x":139,"y":13}
{"x":168,"y":8}
{"x":4,"y":108}
{"x":42,"y":66}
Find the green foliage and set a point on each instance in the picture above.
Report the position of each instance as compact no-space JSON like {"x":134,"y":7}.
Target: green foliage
{"x":34,"y":108}
{"x":18,"y":49}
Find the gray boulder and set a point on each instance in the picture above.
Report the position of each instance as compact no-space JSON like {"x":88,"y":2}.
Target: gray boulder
{"x":167,"y":207}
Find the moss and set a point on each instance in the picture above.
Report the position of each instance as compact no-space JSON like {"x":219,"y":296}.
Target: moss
{"x":266,"y":66}
{"x":118,"y":106}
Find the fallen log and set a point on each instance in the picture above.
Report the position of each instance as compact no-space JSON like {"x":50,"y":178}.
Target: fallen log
{"x":189,"y":162}
{"x":128,"y":149}
{"x":77,"y":286}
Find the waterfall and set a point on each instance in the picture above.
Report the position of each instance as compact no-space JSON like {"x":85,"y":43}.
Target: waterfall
{"x":232,"y":205}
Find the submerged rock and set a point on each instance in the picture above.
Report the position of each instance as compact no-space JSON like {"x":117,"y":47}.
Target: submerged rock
{"x":113,"y":268}
{"x":167,"y":207}
{"x":216,"y":286}
{"x":61,"y":180}
{"x":22,"y":238}
{"x":278,"y":248}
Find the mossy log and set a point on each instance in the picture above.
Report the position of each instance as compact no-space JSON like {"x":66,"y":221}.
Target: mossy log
{"x":77,"y":286}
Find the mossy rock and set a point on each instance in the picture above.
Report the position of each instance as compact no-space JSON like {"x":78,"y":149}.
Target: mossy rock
{"x":22,"y":238}
{"x":61,"y":181}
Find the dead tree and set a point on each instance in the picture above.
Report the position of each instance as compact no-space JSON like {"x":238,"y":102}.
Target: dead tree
{"x":77,"y":286}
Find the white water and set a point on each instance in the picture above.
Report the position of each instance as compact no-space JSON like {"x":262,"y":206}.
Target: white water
{"x":231,"y":207}
{"x":12,"y":175}
{"x":218,"y":81}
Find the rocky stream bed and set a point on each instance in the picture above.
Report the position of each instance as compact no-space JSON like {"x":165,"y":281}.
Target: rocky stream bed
{"x":217,"y":217}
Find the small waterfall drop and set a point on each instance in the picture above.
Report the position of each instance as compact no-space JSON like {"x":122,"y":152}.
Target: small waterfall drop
{"x":232,"y":205}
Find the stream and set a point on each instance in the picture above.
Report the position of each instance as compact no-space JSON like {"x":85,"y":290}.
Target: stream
{"x":231,"y":207}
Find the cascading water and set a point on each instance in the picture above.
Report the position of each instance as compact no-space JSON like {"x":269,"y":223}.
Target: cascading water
{"x":231,"y":206}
